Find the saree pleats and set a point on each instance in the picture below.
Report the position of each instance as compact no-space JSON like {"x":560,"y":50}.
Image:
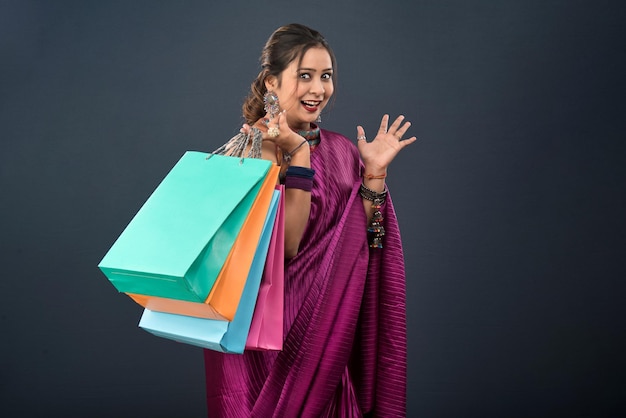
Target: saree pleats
{"x":345,"y":338}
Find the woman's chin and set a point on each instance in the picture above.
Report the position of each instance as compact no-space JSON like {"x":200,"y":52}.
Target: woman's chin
{"x":303,"y":122}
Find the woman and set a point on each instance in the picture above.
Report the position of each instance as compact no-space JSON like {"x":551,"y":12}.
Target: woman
{"x":345,"y":339}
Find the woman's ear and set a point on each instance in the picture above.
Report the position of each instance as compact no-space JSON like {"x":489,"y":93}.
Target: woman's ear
{"x":270,"y":82}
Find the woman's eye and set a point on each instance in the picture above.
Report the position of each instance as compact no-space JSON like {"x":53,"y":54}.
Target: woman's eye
{"x":305,"y":75}
{"x":326,"y":76}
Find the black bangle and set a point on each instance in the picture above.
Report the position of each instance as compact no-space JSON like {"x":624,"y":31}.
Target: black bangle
{"x":301,"y":183}
{"x":297,"y":171}
{"x":370,"y":194}
{"x":297,"y":177}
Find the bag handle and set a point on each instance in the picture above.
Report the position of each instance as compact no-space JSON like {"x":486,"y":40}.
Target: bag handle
{"x":236,"y":146}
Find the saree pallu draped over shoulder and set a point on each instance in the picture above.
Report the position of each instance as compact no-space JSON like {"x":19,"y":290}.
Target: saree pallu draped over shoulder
{"x":344,"y":353}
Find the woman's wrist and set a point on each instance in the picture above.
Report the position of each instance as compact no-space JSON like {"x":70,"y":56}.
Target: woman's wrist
{"x":290,"y":153}
{"x":298,"y":153}
{"x":298,"y":177}
{"x":289,"y":144}
{"x":374,"y":178}
{"x":374,"y":170}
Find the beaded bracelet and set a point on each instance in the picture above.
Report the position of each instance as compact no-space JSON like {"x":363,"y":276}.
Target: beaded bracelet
{"x":297,"y":177}
{"x":369,"y":194}
{"x":375,"y":229}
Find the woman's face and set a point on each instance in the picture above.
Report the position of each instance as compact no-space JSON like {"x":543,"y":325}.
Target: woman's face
{"x":304,"y":87}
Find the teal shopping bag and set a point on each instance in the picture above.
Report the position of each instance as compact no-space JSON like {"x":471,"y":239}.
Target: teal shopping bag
{"x":176,"y":244}
{"x":229,"y":337}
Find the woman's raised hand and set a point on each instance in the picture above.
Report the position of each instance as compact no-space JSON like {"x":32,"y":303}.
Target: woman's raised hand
{"x":282,"y":136}
{"x":378,"y":154}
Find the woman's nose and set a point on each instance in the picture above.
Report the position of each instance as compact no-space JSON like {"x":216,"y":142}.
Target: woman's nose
{"x":317,"y":87}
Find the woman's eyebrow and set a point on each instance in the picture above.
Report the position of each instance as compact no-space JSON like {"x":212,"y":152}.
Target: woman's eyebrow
{"x":313,"y":69}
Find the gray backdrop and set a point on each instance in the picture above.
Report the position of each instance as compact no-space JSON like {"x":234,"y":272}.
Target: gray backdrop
{"x":511,"y":204}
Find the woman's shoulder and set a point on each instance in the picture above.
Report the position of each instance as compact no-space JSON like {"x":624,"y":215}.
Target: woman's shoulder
{"x":338,"y":147}
{"x":336,"y":138}
{"x":329,"y":134}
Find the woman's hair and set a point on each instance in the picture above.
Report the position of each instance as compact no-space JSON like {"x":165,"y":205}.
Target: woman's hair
{"x":286,"y":44}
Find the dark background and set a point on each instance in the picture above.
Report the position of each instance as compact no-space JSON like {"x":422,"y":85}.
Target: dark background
{"x":511,"y":203}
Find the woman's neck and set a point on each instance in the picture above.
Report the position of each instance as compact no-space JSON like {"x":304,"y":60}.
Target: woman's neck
{"x":302,"y":127}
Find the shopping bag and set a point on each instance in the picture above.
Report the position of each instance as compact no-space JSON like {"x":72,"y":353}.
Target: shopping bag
{"x":224,"y":297}
{"x":214,"y":334}
{"x":177,"y":243}
{"x":266,"y":329}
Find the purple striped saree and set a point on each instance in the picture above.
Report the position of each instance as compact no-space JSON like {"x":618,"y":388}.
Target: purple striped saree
{"x":344,"y":353}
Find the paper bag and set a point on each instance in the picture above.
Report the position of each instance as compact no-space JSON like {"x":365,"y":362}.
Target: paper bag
{"x":216,"y":334}
{"x":178,"y":242}
{"x":266,"y":329}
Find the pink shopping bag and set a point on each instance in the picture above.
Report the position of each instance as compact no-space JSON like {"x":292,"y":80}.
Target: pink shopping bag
{"x":266,"y":330}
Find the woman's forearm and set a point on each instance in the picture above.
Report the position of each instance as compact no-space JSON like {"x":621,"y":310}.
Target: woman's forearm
{"x":297,"y":206}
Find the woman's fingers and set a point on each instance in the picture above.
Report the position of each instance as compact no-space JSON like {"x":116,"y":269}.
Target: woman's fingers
{"x":402,"y":130}
{"x":383,"y":125}
{"x":397,"y":128}
{"x":395,"y":125}
{"x":245,"y":129}
{"x":360,"y":133}
{"x":274,"y":127}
